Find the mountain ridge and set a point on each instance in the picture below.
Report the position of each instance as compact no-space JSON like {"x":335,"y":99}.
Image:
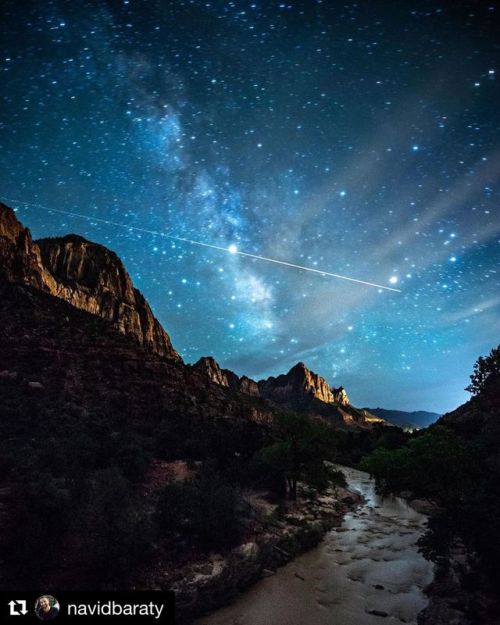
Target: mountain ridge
{"x":404,"y":418}
{"x":92,"y":278}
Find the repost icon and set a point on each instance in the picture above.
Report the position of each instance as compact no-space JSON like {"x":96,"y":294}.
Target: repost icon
{"x":18,"y":607}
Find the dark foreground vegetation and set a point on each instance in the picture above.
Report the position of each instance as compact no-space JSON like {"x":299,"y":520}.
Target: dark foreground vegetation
{"x":86,"y":415}
{"x":82,"y":516}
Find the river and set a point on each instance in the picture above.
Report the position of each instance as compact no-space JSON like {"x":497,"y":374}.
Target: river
{"x":367,"y":571}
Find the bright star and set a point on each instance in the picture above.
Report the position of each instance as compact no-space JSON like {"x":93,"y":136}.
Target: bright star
{"x":232,"y":249}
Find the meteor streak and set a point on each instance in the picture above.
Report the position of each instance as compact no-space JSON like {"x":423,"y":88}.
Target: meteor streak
{"x":232,"y":249}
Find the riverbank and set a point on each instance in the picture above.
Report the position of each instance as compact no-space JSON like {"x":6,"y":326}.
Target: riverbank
{"x":364,"y":571}
{"x":274,"y":536}
{"x":457,"y":594}
{"x":461,"y":593}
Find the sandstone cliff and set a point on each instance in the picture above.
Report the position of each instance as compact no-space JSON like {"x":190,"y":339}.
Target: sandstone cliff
{"x":93,"y":278}
{"x":207,"y":365}
{"x":20,"y":258}
{"x":300,"y":389}
{"x":211,"y":368}
{"x":297,"y":385}
{"x":300,"y":383}
{"x":85,"y":274}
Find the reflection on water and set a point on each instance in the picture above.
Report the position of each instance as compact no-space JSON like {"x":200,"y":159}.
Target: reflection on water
{"x":364,"y":571}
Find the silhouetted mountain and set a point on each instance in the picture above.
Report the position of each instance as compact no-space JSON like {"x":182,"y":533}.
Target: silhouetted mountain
{"x":416,"y":419}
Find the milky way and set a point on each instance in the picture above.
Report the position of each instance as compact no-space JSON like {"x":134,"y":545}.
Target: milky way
{"x":360,"y":138}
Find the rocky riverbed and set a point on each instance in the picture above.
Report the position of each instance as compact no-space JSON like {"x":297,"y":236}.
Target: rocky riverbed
{"x":367,"y":571}
{"x":275,"y":535}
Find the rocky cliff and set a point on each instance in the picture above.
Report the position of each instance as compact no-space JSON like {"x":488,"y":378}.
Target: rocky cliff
{"x":92,"y":278}
{"x":20,"y":258}
{"x":87,"y":275}
{"x":300,"y":383}
{"x":300,"y":389}
{"x":208,"y":366}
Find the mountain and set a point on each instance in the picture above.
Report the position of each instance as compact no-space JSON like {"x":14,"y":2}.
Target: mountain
{"x":416,"y":419}
{"x":300,"y":390}
{"x":85,"y":274}
{"x":92,"y":278}
{"x":299,"y":385}
{"x":96,"y":405}
{"x":58,"y":359}
{"x":224,"y":377}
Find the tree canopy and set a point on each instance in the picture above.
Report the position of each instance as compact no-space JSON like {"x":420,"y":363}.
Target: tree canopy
{"x":483,"y":369}
{"x":301,"y":451}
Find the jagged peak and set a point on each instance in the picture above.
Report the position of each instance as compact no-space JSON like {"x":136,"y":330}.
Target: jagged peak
{"x":207,"y":359}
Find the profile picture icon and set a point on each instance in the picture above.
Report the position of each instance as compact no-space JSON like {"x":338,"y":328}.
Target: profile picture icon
{"x":47,"y":607}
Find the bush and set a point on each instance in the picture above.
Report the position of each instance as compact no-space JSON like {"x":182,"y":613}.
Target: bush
{"x":203,"y":510}
{"x":112,"y":532}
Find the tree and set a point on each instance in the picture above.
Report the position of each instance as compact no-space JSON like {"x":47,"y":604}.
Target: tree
{"x":300,"y":453}
{"x":483,"y":369}
{"x":433,"y":465}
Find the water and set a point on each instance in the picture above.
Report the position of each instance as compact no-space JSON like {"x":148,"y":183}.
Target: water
{"x":369,"y":564}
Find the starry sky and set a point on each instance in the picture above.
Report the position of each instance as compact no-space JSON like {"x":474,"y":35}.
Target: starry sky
{"x":359,"y":138}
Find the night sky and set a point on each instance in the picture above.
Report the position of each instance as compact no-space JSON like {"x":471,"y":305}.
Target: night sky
{"x":355,"y":138}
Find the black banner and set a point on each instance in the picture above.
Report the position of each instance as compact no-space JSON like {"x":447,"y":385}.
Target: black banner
{"x":152,"y":607}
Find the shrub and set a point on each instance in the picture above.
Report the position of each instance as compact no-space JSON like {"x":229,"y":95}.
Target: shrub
{"x":203,"y":510}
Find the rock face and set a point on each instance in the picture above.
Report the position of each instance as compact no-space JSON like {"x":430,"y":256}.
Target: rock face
{"x":298,"y":385}
{"x":20,"y":258}
{"x":85,"y":274}
{"x":249,"y":386}
{"x":93,"y":278}
{"x":208,"y":366}
{"x":211,"y":368}
{"x":300,"y":389}
{"x":301,"y":384}
{"x":299,"y":381}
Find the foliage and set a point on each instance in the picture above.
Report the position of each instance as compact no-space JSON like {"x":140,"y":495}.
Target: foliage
{"x":204,"y":509}
{"x":301,"y":450}
{"x":483,"y":369}
{"x":112,"y":530}
{"x":354,"y":445}
{"x":432,"y":465}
